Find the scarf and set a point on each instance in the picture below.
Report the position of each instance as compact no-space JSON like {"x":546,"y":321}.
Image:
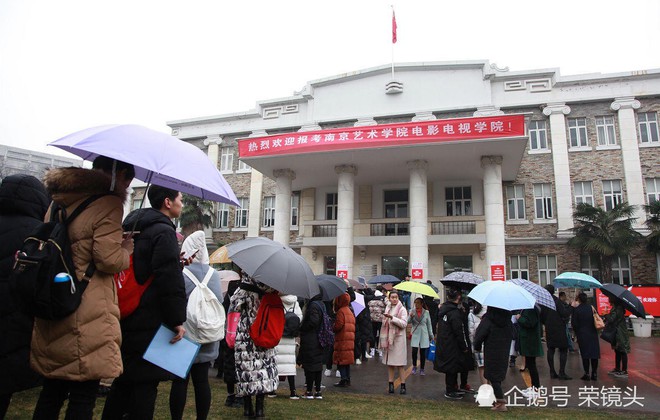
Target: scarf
{"x":387,"y":323}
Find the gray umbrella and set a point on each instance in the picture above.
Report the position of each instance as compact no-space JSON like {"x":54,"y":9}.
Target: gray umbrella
{"x":275,"y":265}
{"x":542,"y":296}
{"x":331,"y":286}
{"x":462,"y":280}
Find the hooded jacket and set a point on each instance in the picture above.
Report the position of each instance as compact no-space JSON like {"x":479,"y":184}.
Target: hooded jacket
{"x":23,"y":204}
{"x":164,"y":301}
{"x":310,"y":354}
{"x":555,"y":323}
{"x":495,"y":332}
{"x":286,"y":349}
{"x":85,"y":345}
{"x":344,"y":329}
{"x":453,"y":345}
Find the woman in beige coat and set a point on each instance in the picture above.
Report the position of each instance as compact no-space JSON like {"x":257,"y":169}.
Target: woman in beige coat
{"x":393,"y":340}
{"x":75,"y":352}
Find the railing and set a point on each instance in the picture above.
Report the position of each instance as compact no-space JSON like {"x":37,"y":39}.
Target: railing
{"x":324,"y":231}
{"x":453,"y":228}
{"x":390,"y":229}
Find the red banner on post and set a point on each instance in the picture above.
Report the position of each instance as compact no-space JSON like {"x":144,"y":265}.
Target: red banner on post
{"x":347,"y":138}
{"x":648,"y":295}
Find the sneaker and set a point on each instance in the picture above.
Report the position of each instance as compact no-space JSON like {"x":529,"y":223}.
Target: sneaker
{"x":308,"y":396}
{"x":318,"y":396}
{"x":621,"y":374}
{"x":272,"y":394}
{"x":370,"y":353}
{"x":380,"y":353}
{"x":530,"y":393}
{"x":414,"y":370}
{"x":453,"y":396}
{"x":421,"y":372}
{"x":327,"y":372}
{"x":613,"y":372}
{"x":337,"y":375}
{"x":358,"y":361}
{"x":467,"y":389}
{"x":368,"y":356}
{"x":294,"y":396}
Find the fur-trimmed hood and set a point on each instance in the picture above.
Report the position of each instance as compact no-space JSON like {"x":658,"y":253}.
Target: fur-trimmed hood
{"x":68,"y":185}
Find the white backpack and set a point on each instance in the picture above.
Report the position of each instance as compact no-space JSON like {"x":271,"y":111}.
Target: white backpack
{"x":205,"y":316}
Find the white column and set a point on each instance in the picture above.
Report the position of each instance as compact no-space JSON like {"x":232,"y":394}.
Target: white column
{"x":213,"y":143}
{"x":283,"y":178}
{"x":419,"y":242}
{"x":632,"y":167}
{"x":256,"y":189}
{"x":494,"y":210}
{"x":563,"y":194}
{"x":345,"y":214}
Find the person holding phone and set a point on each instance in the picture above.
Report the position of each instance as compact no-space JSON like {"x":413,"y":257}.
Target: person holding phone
{"x":393,"y":340}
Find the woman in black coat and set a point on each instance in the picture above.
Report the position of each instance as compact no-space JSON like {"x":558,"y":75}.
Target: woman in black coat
{"x":310,"y":353}
{"x":495,"y":332}
{"x":587,"y":337}
{"x":363,"y":334}
{"x":23,"y":205}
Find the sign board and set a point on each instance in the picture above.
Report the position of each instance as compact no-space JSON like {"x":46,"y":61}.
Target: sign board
{"x":648,"y":295}
{"x":342,"y":271}
{"x":497,"y":271}
{"x":417,"y":271}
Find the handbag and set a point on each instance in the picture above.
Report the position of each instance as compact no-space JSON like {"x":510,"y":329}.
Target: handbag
{"x":431,"y":353}
{"x":232,"y":326}
{"x":609,"y":334}
{"x":598,"y":321}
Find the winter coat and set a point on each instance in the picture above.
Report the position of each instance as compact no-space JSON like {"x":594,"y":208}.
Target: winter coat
{"x":555,"y":324}
{"x":365,"y":332}
{"x":85,"y":345}
{"x":530,"y":333}
{"x":163,"y":302}
{"x":494,"y":333}
{"x":376,"y":309}
{"x":617,"y":317}
{"x":23,"y":205}
{"x":473,"y":323}
{"x":453,"y":353}
{"x":208,"y":351}
{"x":585,"y":331}
{"x":256,"y":370}
{"x":422,"y":332}
{"x":311,"y":354}
{"x":344,"y":328}
{"x":286,"y":349}
{"x":393,"y":336}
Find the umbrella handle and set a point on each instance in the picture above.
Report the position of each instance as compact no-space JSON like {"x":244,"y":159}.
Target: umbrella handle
{"x":137,"y":219}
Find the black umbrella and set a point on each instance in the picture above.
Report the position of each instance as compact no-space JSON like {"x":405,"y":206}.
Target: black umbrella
{"x":383,"y":278}
{"x":625,"y":296}
{"x":462,"y":280}
{"x":331,"y":286}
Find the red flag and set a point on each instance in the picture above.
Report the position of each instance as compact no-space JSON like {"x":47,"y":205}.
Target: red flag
{"x":393,"y":28}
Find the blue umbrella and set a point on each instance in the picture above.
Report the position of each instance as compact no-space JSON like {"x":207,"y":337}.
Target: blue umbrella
{"x":542,"y":296}
{"x":383,"y":278}
{"x":157,"y":157}
{"x":503,"y":295}
{"x":579,"y":280}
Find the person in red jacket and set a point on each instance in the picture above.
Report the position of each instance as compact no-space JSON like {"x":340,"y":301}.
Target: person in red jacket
{"x":344,"y":328}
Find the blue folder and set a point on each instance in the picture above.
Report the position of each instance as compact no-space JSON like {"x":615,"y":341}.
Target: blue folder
{"x":176,"y":358}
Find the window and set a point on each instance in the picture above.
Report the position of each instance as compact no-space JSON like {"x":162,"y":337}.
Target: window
{"x":648,"y":127}
{"x":395,"y":266}
{"x":652,"y":190}
{"x":269,"y":211}
{"x":295,"y":205}
{"x":242,"y":213}
{"x":621,"y":270}
{"x":222,"y":221}
{"x":396,"y":206}
{"x":226,"y":159}
{"x":138,"y":203}
{"x":452,"y":263}
{"x":584,"y":192}
{"x":577,"y":132}
{"x":331,"y":206}
{"x":330,"y":265}
{"x":547,"y":269}
{"x":537,"y":136}
{"x":243,"y":167}
{"x":605,"y":131}
{"x":519,"y":267}
{"x":543,"y":201}
{"x":611,"y":194}
{"x":589,"y":266}
{"x":459,"y":201}
{"x":515,"y":201}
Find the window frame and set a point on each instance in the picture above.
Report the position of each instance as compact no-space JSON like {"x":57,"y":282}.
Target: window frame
{"x":577,"y":133}
{"x":612,"y":197}
{"x":243,"y":167}
{"x":546,"y":201}
{"x":546,"y":273}
{"x":588,"y":266}
{"x":465,"y":203}
{"x":242,"y":213}
{"x":226,"y":159}
{"x":222,"y":214}
{"x":332,"y":206}
{"x":608,"y":135}
{"x":538,"y":133}
{"x":295,"y":207}
{"x":652,"y":190}
{"x":650,"y":127}
{"x":517,"y":201}
{"x":268,"y":212}
{"x":618,"y":271}
{"x":579,"y":195}
{"x":515,"y":265}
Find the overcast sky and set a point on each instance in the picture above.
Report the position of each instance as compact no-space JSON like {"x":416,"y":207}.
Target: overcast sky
{"x":71,"y":64}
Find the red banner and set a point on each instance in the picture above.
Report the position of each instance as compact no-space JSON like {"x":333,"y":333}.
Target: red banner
{"x":346,"y":138}
{"x":648,"y":295}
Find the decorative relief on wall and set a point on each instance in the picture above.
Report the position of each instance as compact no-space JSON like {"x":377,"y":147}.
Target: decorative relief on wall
{"x":532,"y":85}
{"x":276,"y":111}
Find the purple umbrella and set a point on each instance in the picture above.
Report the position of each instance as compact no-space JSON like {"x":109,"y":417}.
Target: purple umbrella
{"x":158,"y":158}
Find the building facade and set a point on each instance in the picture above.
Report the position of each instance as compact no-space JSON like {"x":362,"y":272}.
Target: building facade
{"x":445,"y":200}
{"x":14,"y":160}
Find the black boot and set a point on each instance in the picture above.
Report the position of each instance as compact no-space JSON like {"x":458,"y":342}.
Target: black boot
{"x":229,"y":401}
{"x":403,"y":389}
{"x":259,"y":409}
{"x":391,"y":389}
{"x":248,"y":411}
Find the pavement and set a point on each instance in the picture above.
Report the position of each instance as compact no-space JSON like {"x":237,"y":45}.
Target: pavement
{"x":639,"y":393}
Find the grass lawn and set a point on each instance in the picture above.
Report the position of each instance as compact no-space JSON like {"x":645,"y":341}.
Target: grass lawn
{"x":337,"y":405}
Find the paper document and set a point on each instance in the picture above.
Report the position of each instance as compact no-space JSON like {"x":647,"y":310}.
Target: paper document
{"x":176,"y":358}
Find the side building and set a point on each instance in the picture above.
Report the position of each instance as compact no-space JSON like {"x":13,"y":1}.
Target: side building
{"x":449,"y":166}
{"x":14,"y":160}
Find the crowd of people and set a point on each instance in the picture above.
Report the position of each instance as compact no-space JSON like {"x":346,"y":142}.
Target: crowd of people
{"x":70,"y":357}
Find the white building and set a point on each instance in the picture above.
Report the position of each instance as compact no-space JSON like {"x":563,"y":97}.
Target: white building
{"x":450,"y":166}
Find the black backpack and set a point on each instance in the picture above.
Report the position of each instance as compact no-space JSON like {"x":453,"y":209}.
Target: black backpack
{"x":291,"y":323}
{"x":45,"y":253}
